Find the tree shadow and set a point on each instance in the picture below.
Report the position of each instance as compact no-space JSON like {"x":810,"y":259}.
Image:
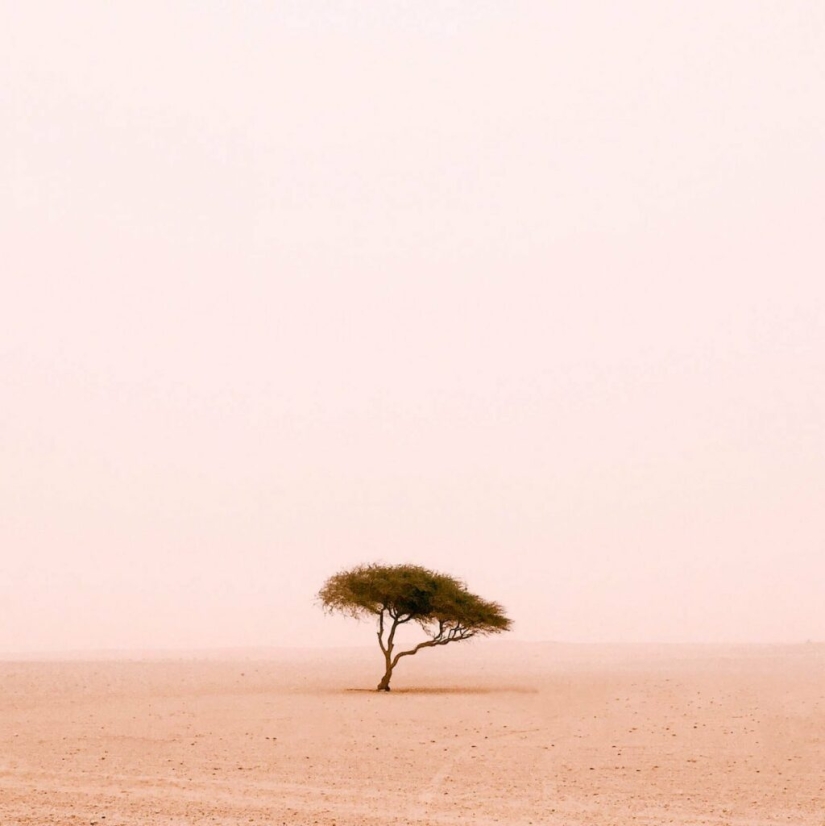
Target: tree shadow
{"x":450,"y":690}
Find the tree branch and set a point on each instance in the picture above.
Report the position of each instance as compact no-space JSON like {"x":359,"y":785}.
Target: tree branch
{"x":452,"y":635}
{"x":381,"y":631}
{"x":395,"y":623}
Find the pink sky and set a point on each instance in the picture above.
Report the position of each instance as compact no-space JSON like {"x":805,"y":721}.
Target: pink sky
{"x":533,"y":293}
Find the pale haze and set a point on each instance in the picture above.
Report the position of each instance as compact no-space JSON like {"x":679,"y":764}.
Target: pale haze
{"x":531,"y":293}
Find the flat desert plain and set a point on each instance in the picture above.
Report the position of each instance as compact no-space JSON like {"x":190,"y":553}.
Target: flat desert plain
{"x":477,"y":733}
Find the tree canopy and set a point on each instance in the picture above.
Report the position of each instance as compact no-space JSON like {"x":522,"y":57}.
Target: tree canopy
{"x":398,"y":594}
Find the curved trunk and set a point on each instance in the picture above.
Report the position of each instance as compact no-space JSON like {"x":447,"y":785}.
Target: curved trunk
{"x":386,"y":649}
{"x":384,"y":685}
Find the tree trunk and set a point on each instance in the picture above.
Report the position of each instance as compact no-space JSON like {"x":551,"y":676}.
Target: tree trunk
{"x":384,"y":685}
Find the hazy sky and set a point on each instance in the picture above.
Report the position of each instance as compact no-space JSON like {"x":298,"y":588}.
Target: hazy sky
{"x":529,"y":292}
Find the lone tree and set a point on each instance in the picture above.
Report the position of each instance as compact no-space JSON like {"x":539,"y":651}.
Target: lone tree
{"x":398,"y":594}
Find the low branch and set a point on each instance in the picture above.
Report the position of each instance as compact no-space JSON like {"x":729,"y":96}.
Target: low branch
{"x":453,"y":635}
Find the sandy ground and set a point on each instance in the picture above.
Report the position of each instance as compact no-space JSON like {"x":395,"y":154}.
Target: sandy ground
{"x":478,"y":734}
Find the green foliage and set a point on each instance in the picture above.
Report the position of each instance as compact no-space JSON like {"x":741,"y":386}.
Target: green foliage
{"x":437,"y":602}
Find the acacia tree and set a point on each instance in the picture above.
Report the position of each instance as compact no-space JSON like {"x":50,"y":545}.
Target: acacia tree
{"x":398,"y":594}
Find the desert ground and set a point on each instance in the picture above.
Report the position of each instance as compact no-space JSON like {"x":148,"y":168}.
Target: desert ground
{"x":478,"y":733}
